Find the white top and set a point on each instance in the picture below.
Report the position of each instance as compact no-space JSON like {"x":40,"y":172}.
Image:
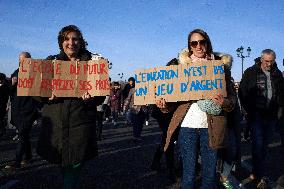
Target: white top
{"x":195,"y":118}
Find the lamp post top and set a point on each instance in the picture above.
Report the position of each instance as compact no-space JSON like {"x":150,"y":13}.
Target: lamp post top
{"x":240,"y":52}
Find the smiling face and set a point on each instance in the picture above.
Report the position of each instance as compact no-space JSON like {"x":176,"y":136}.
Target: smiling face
{"x":71,"y":45}
{"x":198,"y":45}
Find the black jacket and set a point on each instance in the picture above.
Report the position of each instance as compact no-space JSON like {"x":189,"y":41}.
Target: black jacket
{"x":253,"y":90}
{"x":23,"y":108}
{"x":4,"y":96}
{"x":68,"y":134}
{"x":126,"y":90}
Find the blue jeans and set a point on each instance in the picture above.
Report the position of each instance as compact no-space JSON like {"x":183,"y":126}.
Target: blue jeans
{"x":114,"y":115}
{"x":190,"y":141}
{"x":128,"y":115}
{"x":262,"y":128}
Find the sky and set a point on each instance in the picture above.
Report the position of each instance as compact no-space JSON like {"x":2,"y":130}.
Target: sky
{"x":135,"y":34}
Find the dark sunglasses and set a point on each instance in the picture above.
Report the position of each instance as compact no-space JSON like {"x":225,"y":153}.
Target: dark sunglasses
{"x":200,"y":42}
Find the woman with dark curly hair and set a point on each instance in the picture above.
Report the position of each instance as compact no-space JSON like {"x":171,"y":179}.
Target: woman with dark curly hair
{"x":68,"y":134}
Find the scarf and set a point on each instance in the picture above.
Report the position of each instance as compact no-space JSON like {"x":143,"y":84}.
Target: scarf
{"x":195,"y":58}
{"x":207,"y":105}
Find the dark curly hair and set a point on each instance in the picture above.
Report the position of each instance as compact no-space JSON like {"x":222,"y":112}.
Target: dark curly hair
{"x":131,"y":79}
{"x":116,"y":83}
{"x":64,"y":32}
{"x":206,"y":37}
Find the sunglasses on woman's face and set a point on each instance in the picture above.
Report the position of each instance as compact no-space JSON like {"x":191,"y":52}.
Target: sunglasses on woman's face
{"x":200,"y":42}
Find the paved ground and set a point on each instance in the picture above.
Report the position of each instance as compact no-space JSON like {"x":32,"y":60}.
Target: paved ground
{"x":121,"y":163}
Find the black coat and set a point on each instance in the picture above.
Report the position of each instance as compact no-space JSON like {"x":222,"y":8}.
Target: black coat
{"x":253,"y":90}
{"x":4,"y":96}
{"x":68,"y":134}
{"x":23,"y":108}
{"x":126,"y":90}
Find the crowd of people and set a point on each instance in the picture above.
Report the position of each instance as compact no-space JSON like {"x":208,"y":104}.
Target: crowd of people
{"x":208,"y":131}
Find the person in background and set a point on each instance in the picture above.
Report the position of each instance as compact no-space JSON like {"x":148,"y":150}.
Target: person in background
{"x":135,"y":113}
{"x":68,"y":132}
{"x":203,"y":122}
{"x":147,"y":115}
{"x":24,"y":111}
{"x":107,"y":111}
{"x":4,"y":97}
{"x":261,"y":95}
{"x":280,"y":124}
{"x":127,"y":88}
{"x":100,"y":116}
{"x":115,"y":102}
{"x":230,"y":156}
{"x":100,"y":108}
{"x":163,"y":120}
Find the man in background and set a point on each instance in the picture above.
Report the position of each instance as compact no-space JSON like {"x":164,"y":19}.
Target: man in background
{"x":261,"y":96}
{"x":4,"y":96}
{"x":24,"y":111}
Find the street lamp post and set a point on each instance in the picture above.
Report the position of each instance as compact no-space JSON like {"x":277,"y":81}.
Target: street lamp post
{"x":240,"y":52}
{"x":120,"y":75}
{"x":109,"y":65}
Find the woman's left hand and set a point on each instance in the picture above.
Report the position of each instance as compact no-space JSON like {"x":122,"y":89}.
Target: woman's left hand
{"x":220,"y":100}
{"x":86,"y":96}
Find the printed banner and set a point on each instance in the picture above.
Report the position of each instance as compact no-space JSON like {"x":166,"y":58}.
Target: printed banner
{"x":63,"y":78}
{"x":191,"y":81}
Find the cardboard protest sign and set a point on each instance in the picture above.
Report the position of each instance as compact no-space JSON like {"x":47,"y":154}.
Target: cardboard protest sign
{"x":63,"y":78}
{"x":191,"y":81}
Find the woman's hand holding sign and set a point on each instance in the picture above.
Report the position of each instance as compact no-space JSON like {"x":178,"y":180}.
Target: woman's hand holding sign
{"x":223,"y":102}
{"x":220,"y":100}
{"x":86,"y":96}
{"x":162,"y":104}
{"x":53,"y":97}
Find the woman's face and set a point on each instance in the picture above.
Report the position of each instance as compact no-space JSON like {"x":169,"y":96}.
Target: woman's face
{"x":131,"y":83}
{"x":71,"y":45}
{"x":198,"y":45}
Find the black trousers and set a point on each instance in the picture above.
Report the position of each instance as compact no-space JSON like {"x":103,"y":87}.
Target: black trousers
{"x":169,"y":153}
{"x":24,"y":144}
{"x":2,"y":124}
